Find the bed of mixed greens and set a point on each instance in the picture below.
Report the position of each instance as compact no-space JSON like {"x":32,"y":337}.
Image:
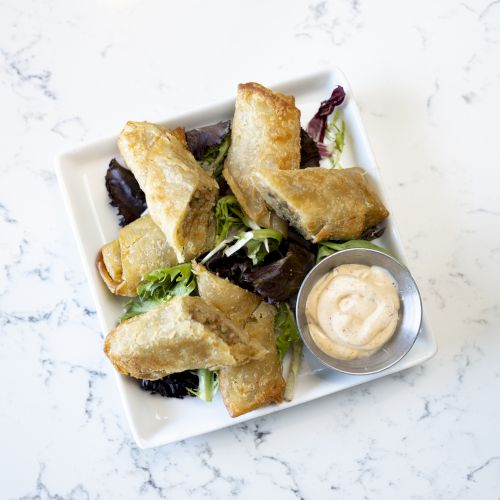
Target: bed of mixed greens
{"x":258,"y":259}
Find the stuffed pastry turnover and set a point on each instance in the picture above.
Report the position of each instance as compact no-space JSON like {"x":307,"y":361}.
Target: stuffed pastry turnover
{"x":184,"y":333}
{"x":257,"y":382}
{"x":265,"y":133}
{"x":140,"y":248}
{"x":180,"y":195}
{"x":323,"y":204}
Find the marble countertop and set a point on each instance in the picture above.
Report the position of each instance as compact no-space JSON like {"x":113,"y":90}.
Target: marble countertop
{"x":427,"y":78}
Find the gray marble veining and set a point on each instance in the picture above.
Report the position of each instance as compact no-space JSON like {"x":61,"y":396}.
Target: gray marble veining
{"x":428,"y":81}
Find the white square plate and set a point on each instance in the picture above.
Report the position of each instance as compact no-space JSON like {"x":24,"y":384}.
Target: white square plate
{"x":154,"y":420}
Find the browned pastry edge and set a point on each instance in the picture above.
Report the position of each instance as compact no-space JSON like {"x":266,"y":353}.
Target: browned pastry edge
{"x":180,"y":134}
{"x":276,"y":97}
{"x":103,"y":271}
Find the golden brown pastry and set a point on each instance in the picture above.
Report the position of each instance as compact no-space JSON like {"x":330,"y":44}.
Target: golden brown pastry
{"x":180,"y":195}
{"x":265,"y":133}
{"x":180,"y":133}
{"x":235,"y":302}
{"x":141,"y":247}
{"x":185,"y":333}
{"x":323,"y":204}
{"x":259,"y":382}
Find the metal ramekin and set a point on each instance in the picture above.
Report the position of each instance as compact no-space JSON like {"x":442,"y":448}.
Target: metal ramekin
{"x":410,"y":313}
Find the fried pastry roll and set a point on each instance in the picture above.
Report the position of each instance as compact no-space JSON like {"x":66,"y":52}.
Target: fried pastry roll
{"x":265,"y":133}
{"x":180,"y":195}
{"x":323,"y":204}
{"x":233,"y":301}
{"x":140,"y":248}
{"x":184,"y":333}
{"x":259,"y":382}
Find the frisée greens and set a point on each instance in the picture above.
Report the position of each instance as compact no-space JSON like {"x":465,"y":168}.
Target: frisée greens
{"x":235,"y":230}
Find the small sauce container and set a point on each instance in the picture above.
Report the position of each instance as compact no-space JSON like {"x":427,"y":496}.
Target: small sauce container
{"x":410,"y":313}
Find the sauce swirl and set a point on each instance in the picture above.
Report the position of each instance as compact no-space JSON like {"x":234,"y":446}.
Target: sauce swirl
{"x":353,"y":311}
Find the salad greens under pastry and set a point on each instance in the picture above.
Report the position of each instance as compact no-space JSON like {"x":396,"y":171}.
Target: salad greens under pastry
{"x":220,"y":225}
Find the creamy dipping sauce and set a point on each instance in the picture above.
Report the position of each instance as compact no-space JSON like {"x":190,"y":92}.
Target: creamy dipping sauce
{"x":353,"y":310}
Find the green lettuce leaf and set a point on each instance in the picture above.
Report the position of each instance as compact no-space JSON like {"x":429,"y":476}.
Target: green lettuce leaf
{"x":159,"y":286}
{"x":286,"y":330}
{"x":328,"y":247}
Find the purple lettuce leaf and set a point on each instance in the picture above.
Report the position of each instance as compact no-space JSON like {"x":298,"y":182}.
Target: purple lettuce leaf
{"x":280,"y":280}
{"x":175,"y":385}
{"x":124,"y":193}
{"x":277,"y":279}
{"x":309,"y":154}
{"x":231,"y":267}
{"x":317,"y":126}
{"x":200,"y":140}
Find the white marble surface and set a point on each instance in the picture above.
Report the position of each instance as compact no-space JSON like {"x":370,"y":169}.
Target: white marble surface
{"x":427,"y":77}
